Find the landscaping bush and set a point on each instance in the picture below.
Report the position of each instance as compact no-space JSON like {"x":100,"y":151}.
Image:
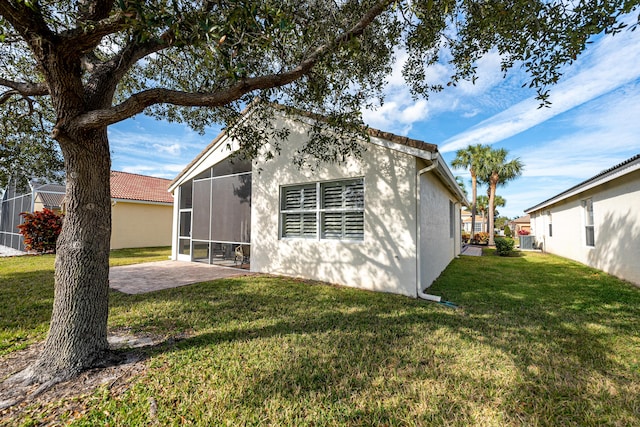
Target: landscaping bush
{"x":504,"y":246}
{"x":465,"y":236}
{"x":523,"y":232}
{"x":481,"y":238}
{"x":507,"y":231}
{"x":40,"y":230}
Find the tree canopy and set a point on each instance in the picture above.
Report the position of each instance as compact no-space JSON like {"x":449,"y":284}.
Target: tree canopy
{"x":165,"y":58}
{"x":69,"y":69}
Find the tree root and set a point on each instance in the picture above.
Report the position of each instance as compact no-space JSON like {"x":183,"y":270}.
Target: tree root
{"x":27,"y":384}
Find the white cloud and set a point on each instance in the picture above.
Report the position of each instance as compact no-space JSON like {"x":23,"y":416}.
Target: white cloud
{"x":172,"y":149}
{"x":401,"y":111}
{"x":611,"y":63}
{"x":472,"y":113}
{"x":154,"y":169}
{"x":605,"y":134}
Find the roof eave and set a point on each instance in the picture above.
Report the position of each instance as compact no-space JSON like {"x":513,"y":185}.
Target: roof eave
{"x":624,"y":168}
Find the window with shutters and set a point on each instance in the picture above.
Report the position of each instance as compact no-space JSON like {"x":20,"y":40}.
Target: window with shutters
{"x":299,"y":211}
{"x":342,"y":210}
{"x":329,"y":210}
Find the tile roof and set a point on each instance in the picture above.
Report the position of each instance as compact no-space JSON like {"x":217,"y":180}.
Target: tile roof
{"x":51,"y":200}
{"x":522,"y":220}
{"x":131,"y":186}
{"x":48,"y":187}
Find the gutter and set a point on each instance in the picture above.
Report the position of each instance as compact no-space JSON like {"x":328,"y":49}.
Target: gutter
{"x":436,"y":167}
{"x":419,"y":293}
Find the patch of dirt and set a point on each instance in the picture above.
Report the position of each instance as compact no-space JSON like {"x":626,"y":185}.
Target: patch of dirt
{"x":60,"y":398}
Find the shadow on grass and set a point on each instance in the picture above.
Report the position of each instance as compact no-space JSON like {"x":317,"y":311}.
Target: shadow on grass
{"x":538,"y":341}
{"x":554,"y":346}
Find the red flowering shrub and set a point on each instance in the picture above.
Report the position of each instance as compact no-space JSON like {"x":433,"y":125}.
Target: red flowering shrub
{"x":523,"y":232}
{"x":40,"y":230}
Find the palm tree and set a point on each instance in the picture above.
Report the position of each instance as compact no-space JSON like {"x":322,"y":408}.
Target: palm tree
{"x":483,"y":206}
{"x":496,"y":170}
{"x":472,"y":158}
{"x":460,"y":182}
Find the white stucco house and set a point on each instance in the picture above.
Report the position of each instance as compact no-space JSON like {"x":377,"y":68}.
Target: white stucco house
{"x":596,"y":222}
{"x":389,"y":221}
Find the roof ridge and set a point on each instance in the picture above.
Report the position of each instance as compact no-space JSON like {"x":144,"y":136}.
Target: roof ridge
{"x":402,"y":140}
{"x":586,"y":181}
{"x":139,"y":174}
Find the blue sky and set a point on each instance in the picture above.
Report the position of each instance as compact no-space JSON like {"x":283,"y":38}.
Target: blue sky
{"x":593,"y":123}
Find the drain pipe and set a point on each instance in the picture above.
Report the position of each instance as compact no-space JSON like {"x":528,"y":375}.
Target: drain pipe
{"x":419,"y":292}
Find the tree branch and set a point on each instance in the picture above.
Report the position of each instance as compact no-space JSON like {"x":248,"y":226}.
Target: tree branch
{"x":82,"y":40}
{"x":7,"y":95}
{"x":95,"y":10}
{"x":28,"y":22}
{"x":138,"y":102}
{"x":22,"y":88}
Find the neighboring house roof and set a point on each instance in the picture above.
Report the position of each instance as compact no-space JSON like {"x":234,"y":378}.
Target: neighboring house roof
{"x":522,"y":220}
{"x":131,"y":186}
{"x":48,"y":187}
{"x":617,"y":171}
{"x":51,"y":200}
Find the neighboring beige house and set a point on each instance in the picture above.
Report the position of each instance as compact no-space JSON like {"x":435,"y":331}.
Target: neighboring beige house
{"x":388,"y":222}
{"x":522,"y":223}
{"x":141,"y":210}
{"x":596,"y":222}
{"x":481,"y":223}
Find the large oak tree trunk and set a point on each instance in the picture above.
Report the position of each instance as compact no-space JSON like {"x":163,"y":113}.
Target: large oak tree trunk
{"x":77,"y":336}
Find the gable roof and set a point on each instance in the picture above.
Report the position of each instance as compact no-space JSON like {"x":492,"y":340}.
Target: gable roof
{"x":614,"y":172}
{"x":522,"y":220}
{"x":131,"y":186}
{"x":392,"y":138}
{"x":51,"y":200}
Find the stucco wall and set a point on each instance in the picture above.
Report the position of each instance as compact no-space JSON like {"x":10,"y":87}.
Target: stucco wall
{"x":384,"y":261}
{"x":138,"y":225}
{"x":437,"y":247}
{"x":616,"y":212}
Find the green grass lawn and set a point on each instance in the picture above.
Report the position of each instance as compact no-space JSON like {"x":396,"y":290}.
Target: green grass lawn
{"x":538,"y":341}
{"x":26,"y":293}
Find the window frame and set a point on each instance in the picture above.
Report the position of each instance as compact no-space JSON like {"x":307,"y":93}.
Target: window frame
{"x":321,"y":211}
{"x":589,"y":223}
{"x":452,"y":219}
{"x":284,"y":211}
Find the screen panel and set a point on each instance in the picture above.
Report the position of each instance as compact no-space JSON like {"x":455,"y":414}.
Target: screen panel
{"x":201,"y":209}
{"x":231,"y":215}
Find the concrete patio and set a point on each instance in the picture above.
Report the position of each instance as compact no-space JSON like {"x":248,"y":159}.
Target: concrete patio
{"x":155,"y":276}
{"x":471,"y":251}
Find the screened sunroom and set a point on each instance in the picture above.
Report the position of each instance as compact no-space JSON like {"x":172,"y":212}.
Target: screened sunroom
{"x":214,"y":223}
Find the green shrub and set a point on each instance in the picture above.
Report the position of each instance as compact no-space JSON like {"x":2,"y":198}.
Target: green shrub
{"x":504,"y":246}
{"x":40,"y":230}
{"x":507,"y":231}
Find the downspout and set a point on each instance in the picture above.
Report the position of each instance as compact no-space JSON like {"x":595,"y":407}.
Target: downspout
{"x":419,"y":292}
